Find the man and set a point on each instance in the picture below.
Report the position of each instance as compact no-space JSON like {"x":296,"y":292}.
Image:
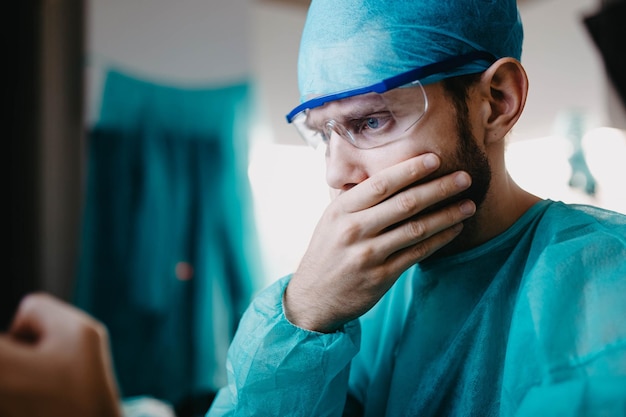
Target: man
{"x":433,"y":284}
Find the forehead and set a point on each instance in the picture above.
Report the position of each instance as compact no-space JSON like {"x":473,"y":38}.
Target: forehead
{"x":362,"y":105}
{"x":351,"y":105}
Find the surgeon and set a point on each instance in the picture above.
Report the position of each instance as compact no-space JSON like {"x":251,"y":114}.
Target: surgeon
{"x":433,"y":284}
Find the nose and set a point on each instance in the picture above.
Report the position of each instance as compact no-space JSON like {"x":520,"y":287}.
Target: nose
{"x":345,"y":167}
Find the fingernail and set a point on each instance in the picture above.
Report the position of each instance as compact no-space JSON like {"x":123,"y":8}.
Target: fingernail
{"x":431,"y":161}
{"x":467,"y":207}
{"x":462,"y":180}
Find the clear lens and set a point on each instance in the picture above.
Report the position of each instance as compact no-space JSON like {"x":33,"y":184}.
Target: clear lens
{"x":366,"y":121}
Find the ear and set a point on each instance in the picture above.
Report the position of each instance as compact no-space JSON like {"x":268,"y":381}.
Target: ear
{"x":504,"y":86}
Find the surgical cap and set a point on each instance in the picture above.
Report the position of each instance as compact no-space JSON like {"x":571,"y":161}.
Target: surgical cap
{"x":348,"y":44}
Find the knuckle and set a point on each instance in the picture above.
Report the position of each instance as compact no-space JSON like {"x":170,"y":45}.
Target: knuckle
{"x":350,"y":232}
{"x":36,"y":298}
{"x":444,"y":189}
{"x":416,"y":229}
{"x":379,"y":187}
{"x":414,"y":169}
{"x":334,"y":212}
{"x":407,"y":203}
{"x":420,"y":251}
{"x":36,"y":304}
{"x":100,"y":330}
{"x":29,"y":302}
{"x":367,"y":252}
{"x":452,"y":215}
{"x":93,"y":333}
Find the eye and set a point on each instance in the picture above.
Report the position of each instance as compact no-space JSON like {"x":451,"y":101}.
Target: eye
{"x":366,"y":123}
{"x":370,"y":124}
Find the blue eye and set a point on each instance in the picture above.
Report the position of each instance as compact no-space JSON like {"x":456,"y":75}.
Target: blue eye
{"x":367,"y":123}
{"x":372,"y":123}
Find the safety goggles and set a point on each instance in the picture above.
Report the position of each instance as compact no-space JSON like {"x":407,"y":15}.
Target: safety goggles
{"x":375,"y":115}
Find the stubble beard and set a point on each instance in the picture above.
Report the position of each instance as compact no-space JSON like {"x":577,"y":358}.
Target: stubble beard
{"x":473,"y":160}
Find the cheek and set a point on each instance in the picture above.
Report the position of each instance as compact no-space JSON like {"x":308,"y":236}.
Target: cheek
{"x":440,"y":143}
{"x":437,"y":133}
{"x":393,"y":154}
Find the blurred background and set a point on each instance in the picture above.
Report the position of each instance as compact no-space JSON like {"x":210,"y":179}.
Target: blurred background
{"x":155,"y":183}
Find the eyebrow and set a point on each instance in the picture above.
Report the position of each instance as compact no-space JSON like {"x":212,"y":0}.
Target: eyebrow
{"x":356,"y":109}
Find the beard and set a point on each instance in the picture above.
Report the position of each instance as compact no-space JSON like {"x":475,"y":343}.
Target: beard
{"x":470,"y":158}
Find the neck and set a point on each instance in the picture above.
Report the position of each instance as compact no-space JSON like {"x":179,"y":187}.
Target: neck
{"x":504,"y":204}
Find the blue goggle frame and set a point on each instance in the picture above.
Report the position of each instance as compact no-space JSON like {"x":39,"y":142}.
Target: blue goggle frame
{"x":396,"y":81}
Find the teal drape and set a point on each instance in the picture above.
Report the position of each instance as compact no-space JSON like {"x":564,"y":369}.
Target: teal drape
{"x":168,"y":250}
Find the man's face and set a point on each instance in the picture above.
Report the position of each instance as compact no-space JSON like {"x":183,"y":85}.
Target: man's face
{"x":442,"y":131}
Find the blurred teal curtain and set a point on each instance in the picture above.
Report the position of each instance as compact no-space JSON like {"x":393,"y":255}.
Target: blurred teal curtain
{"x":169,"y":250}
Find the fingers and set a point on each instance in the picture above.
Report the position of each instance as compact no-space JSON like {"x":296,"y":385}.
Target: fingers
{"x":415,"y":200}
{"x":39,"y":314}
{"x":407,"y":257}
{"x":369,"y":235}
{"x":29,"y":322}
{"x":388,"y":182}
{"x":67,"y":345}
{"x":9,"y":348}
{"x":419,"y":229}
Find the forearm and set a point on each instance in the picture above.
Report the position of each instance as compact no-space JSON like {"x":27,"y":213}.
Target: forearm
{"x":276,"y":368}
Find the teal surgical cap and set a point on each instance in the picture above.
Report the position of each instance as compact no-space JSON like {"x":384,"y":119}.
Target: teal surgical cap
{"x":348,"y":44}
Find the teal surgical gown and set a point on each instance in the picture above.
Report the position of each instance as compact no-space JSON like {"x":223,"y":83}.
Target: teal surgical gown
{"x":531,"y":323}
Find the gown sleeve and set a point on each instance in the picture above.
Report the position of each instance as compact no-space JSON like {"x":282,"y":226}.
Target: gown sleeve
{"x":278,"y":369}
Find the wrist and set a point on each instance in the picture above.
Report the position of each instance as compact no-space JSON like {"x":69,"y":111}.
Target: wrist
{"x":300,"y":312}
